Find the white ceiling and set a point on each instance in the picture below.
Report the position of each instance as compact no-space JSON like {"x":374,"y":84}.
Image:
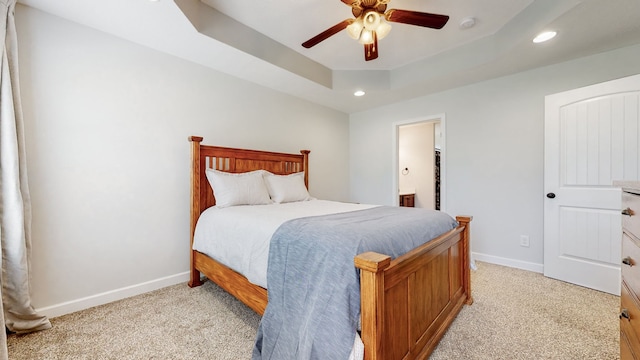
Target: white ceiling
{"x":259,"y":41}
{"x":297,"y":21}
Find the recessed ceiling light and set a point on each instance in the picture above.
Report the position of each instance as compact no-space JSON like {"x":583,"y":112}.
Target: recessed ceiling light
{"x":542,"y":37}
{"x":358,"y":93}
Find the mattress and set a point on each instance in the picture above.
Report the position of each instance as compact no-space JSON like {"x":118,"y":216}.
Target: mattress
{"x":239,"y":236}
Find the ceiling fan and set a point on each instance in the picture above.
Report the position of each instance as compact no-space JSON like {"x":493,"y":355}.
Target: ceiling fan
{"x":368,"y":26}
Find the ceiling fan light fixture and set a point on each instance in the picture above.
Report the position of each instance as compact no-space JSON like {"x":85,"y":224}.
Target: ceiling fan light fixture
{"x":366,"y":37}
{"x":383,"y":30}
{"x":355,"y":29}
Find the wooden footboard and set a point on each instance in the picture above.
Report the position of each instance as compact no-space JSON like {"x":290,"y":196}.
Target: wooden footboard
{"x":408,"y":303}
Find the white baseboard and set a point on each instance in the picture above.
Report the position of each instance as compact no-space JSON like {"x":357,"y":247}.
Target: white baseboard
{"x":125,"y":292}
{"x":113,"y":295}
{"x":518,"y":264}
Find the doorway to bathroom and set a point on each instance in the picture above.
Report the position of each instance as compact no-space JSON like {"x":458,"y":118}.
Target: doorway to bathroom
{"x":418,"y":158}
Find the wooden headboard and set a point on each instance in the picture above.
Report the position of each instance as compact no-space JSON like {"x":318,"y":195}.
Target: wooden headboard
{"x":235,"y":161}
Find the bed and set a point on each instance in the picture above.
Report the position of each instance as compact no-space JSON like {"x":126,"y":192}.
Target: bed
{"x":406,"y":303}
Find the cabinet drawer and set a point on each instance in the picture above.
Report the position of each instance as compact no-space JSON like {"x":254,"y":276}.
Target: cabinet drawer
{"x":625,"y":348}
{"x":631,"y":255}
{"x":630,"y":326}
{"x":631,"y":222}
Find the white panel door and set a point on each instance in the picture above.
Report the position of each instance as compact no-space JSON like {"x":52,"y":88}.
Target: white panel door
{"x":591,"y":139}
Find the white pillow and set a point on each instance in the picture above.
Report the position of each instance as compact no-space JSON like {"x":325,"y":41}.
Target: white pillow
{"x":286,"y":188}
{"x":238,"y":189}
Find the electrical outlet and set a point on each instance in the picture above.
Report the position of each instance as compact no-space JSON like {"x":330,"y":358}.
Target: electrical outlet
{"x":524,"y":240}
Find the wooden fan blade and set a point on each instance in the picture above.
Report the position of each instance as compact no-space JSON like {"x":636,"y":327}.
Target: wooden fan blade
{"x":371,"y":50}
{"x":327,"y":33}
{"x":434,"y":21}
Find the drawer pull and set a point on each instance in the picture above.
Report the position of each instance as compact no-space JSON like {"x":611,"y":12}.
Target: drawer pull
{"x":625,"y":314}
{"x":628,"y":261}
{"x":627,"y":212}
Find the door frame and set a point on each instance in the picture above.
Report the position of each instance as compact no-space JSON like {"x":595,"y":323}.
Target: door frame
{"x":394,"y":161}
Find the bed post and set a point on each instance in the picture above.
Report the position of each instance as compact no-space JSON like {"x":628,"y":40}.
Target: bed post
{"x":194,"y":278}
{"x":371,"y":267}
{"x":305,"y":164}
{"x":466,"y":253}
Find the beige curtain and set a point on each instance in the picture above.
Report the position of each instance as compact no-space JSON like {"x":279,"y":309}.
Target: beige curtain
{"x":15,"y":203}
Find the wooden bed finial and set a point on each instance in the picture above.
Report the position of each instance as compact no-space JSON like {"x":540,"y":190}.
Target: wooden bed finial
{"x":305,"y":164}
{"x":194,"y":279}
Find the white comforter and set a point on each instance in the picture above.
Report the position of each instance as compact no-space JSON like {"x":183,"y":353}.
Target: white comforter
{"x":239,"y":236}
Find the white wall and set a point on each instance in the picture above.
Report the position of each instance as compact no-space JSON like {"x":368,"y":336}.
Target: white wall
{"x":494,"y":151}
{"x":106,"y":127}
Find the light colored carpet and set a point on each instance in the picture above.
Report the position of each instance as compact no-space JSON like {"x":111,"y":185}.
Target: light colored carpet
{"x":516,"y":315}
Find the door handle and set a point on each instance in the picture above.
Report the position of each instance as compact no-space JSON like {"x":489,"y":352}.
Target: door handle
{"x":627,"y":212}
{"x":551,"y":195}
{"x":627,"y":261}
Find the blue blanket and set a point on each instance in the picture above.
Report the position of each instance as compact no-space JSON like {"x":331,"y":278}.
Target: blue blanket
{"x":314,"y":287}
